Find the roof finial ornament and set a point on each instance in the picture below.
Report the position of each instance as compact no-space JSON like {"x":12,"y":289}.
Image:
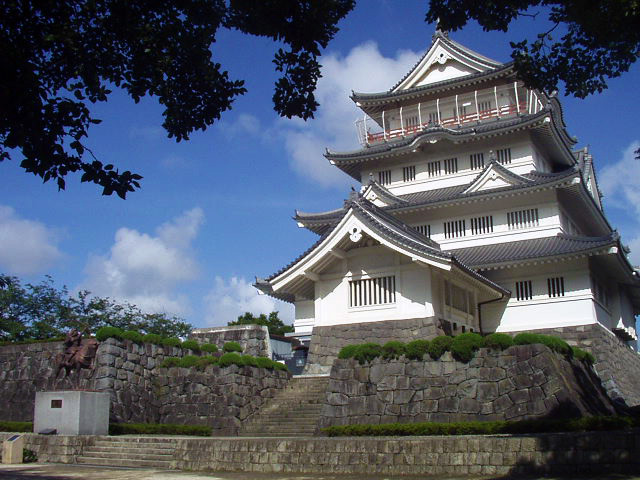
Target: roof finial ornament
{"x":439,"y":32}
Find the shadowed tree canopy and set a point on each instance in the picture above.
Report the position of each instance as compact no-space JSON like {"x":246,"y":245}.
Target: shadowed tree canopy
{"x":59,"y":57}
{"x":586,"y":42}
{"x":272,"y":322}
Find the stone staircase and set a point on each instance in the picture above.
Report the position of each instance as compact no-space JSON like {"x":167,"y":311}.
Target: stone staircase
{"x":293,"y":412}
{"x":149,"y":452}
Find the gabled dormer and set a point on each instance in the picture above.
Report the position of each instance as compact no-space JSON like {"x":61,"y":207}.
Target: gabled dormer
{"x":494,"y":176}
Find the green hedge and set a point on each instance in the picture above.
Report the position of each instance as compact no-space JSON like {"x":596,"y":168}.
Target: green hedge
{"x":159,"y":429}
{"x":16,"y":426}
{"x":229,"y":358}
{"x":191,"y":345}
{"x":462,"y":347}
{"x":26,"y":342}
{"x":230,"y":347}
{"x":485,"y":428}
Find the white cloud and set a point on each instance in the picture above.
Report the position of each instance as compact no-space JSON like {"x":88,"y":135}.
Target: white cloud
{"x":227,"y":300}
{"x":27,"y":246}
{"x":363,"y":69}
{"x":145,"y":269}
{"x":147,"y":133}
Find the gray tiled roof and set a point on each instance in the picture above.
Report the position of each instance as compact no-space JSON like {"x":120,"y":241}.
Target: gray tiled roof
{"x":560,"y":245}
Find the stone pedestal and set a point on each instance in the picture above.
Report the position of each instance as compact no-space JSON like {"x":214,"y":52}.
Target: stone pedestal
{"x":72,"y":412}
{"x":12,"y":449}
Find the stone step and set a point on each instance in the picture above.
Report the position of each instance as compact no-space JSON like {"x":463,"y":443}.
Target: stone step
{"x":157,"y":445}
{"x":134,"y":440}
{"x":88,"y":452}
{"x":124,"y":463}
{"x":128,"y":448}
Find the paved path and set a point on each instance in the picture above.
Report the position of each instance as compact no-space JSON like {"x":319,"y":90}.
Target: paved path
{"x":37,"y":471}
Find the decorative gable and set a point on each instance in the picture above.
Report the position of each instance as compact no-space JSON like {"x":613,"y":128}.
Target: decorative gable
{"x":495,"y":176}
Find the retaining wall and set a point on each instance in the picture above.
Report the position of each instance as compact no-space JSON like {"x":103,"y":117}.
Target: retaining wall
{"x":254,"y":339}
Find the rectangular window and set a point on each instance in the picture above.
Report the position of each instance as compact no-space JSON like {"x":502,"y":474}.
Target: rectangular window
{"x":477,"y":161}
{"x":458,"y":298}
{"x":484,"y":107}
{"x":523,"y":218}
{"x":409,"y":173}
{"x":433,"y":117}
{"x":424,"y":230}
{"x":599,"y":292}
{"x":454,"y":229}
{"x":372,"y":291}
{"x":451,"y":165}
{"x":524,"y":290}
{"x":503,"y":155}
{"x":480,"y":225}
{"x":555,"y":286}
{"x":433,"y":168}
{"x":411,"y":122}
{"x":384,"y":177}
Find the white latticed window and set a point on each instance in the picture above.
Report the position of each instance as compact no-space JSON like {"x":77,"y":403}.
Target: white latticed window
{"x":424,"y":230}
{"x":433,"y":117}
{"x":411,"y":122}
{"x":524,"y":290}
{"x":409,"y":173}
{"x":451,"y":165}
{"x":555,"y":286}
{"x":372,"y":291}
{"x":523,"y":218}
{"x":600,"y":292}
{"x":477,"y":161}
{"x":454,"y":229}
{"x":484,"y":107}
{"x":458,"y":298}
{"x":503,"y":155}
{"x":433,"y":168}
{"x":480,"y":225}
{"x":384,"y":177}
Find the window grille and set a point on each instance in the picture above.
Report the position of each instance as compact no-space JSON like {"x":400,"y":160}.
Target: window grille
{"x":458,"y":298}
{"x":477,"y":161}
{"x":433,"y":117}
{"x":600,"y":292}
{"x":451,"y":165}
{"x":454,"y":229}
{"x":384,"y":177}
{"x":409,"y":173}
{"x":424,"y":230}
{"x":372,"y":291}
{"x":524,"y":290}
{"x":555,"y":286}
{"x":523,"y":218}
{"x":480,"y":225}
{"x":484,"y":107}
{"x":504,"y":156}
{"x":433,"y":168}
{"x":411,"y":122}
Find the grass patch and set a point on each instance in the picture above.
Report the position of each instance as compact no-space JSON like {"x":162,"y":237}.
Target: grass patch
{"x":16,"y":426}
{"x":158,"y":429}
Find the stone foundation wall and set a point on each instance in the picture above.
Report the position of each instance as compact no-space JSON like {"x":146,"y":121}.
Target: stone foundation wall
{"x":527,"y":381}
{"x":140,"y":390}
{"x":253,"y":338}
{"x":616,"y":364}
{"x":326,"y":342}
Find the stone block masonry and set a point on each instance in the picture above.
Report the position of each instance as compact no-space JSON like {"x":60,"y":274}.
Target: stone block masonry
{"x":526,"y":381}
{"x":254,"y":339}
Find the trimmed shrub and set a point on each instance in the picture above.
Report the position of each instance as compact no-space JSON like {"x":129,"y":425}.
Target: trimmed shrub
{"x":417,"y":349}
{"x":132,"y":335}
{"x":108,"y":332}
{"x":230,"y":358}
{"x":348,"y":352}
{"x":171,"y":342}
{"x":209,"y":348}
{"x":152,"y":338}
{"x":280,"y":366}
{"x":158,"y":429}
{"x":439,"y":345}
{"x":16,"y":426}
{"x":250,"y":361}
{"x":188,"y":361}
{"x":583,"y":355}
{"x":264,"y":362}
{"x":393,"y":349}
{"x":191,"y":345}
{"x":170,"y":362}
{"x":527,"y":338}
{"x":232,"y":347}
{"x":464,"y":346}
{"x":498,"y":341}
{"x":205,"y":361}
{"x":367,"y":352}
{"x":554,"y":343}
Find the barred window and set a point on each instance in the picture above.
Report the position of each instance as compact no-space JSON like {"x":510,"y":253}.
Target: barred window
{"x":480,"y":225}
{"x":524,"y":290}
{"x":458,"y":298}
{"x":523,"y":218}
{"x":454,"y":229}
{"x":600,"y":292}
{"x":433,"y":117}
{"x":484,"y":107}
{"x":411,"y":122}
{"x":433,"y":168}
{"x":409,"y":173}
{"x":424,"y":230}
{"x":555,"y":286}
{"x":372,"y":291}
{"x":384,"y":177}
{"x":451,"y":165}
{"x":503,"y":155}
{"x":477,"y":161}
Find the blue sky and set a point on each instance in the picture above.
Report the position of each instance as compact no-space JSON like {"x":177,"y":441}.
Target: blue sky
{"x":216,"y":211}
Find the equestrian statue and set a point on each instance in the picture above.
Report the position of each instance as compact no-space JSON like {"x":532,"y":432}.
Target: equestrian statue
{"x":78,"y":353}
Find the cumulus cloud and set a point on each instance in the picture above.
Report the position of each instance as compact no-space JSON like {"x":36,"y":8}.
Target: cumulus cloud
{"x":363,"y":69}
{"x":229,"y":299}
{"x":28,"y":246}
{"x":146,"y":269}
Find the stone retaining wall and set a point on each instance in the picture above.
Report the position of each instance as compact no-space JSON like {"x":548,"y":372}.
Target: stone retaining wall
{"x":326,"y":342}
{"x":254,"y":339}
{"x":526,"y":381}
{"x":543,"y":454}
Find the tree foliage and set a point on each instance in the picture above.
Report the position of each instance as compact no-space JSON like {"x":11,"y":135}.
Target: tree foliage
{"x":272,"y":322}
{"x":44,"y":311}
{"x":597,"y":39}
{"x":60,"y":57}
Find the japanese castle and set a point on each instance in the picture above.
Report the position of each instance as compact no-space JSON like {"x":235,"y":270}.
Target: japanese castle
{"x":476,"y":214}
